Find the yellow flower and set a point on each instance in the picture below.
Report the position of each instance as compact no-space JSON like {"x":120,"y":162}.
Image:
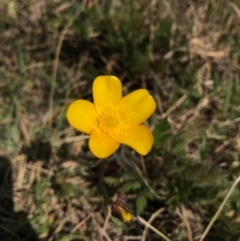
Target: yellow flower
{"x":113,"y":119}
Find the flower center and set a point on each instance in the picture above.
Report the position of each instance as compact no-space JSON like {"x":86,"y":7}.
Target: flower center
{"x":112,"y":122}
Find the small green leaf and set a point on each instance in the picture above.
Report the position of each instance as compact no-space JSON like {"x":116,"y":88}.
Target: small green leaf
{"x":118,"y":223}
{"x":148,"y":194}
{"x":160,"y":132}
{"x":131,"y":186}
{"x":111,"y":181}
{"x":129,"y":176}
{"x":227,"y":102}
{"x":140,"y":204}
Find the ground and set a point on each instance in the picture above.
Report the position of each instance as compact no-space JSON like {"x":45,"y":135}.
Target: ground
{"x":186,"y":53}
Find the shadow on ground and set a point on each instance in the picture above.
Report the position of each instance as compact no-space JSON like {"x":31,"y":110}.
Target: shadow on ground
{"x":14,"y":226}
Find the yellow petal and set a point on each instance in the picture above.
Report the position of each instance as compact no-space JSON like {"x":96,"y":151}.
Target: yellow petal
{"x":101,"y":145}
{"x":137,"y":106}
{"x":139,"y":138}
{"x":82,"y":115}
{"x":107,"y":92}
{"x":126,"y":215}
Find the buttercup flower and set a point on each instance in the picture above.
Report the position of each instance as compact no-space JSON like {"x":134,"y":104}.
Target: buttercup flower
{"x":113,"y":119}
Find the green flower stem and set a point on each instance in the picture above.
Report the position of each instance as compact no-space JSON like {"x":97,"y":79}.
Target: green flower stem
{"x":143,"y":164}
{"x":101,"y":187}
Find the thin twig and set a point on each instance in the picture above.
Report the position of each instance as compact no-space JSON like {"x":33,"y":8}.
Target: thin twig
{"x":107,"y":220}
{"x":173,"y":107}
{"x":69,"y":140}
{"x":219,"y":209}
{"x":102,"y":232}
{"x":183,"y":216}
{"x":150,"y":220}
{"x":142,"y":221}
{"x":89,"y":216}
{"x":137,"y":169}
{"x":126,"y":238}
{"x":57,"y":55}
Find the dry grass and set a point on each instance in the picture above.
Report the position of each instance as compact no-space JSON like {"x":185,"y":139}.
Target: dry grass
{"x":185,"y":54}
